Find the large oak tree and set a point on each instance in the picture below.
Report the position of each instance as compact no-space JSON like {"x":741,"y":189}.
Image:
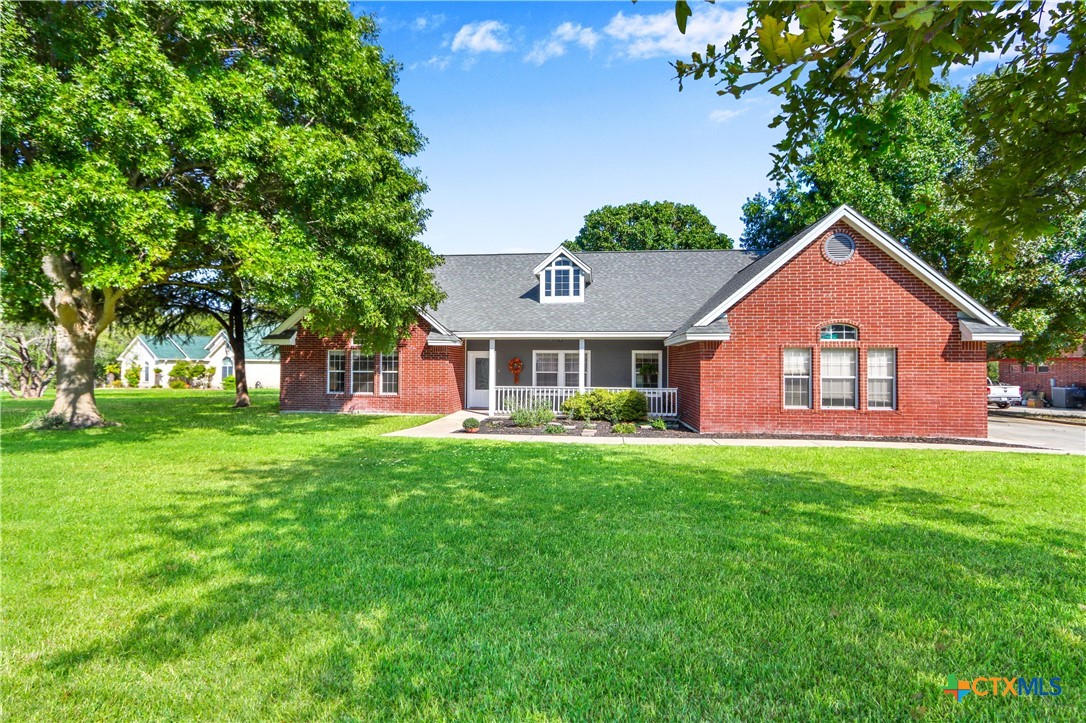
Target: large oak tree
{"x":829,"y":60}
{"x":648,"y":226}
{"x":144,"y":142}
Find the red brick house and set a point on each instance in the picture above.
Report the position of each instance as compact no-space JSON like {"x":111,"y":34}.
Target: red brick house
{"x":1065,"y":371}
{"x":839,"y":330}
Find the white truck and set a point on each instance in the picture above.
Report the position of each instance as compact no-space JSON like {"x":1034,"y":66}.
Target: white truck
{"x":1003,"y":395}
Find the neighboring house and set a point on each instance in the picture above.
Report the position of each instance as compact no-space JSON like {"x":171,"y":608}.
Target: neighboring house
{"x":1064,"y":371}
{"x":148,"y":353}
{"x":840,"y":330}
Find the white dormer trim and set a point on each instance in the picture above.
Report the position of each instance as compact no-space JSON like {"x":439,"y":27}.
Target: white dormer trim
{"x":561,"y":259}
{"x":894,"y":248}
{"x":563,"y":251}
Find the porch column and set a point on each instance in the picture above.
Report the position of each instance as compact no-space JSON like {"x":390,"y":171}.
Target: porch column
{"x":492,"y":376}
{"x":580,"y":365}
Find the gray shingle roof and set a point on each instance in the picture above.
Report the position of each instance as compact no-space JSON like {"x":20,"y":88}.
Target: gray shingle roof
{"x":631,"y":291}
{"x":979,"y":327}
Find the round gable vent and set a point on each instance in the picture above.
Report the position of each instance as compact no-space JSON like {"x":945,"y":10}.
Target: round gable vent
{"x":840,"y":247}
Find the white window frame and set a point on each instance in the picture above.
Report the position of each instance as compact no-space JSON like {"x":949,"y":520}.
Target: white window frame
{"x":548,"y":279}
{"x":380,"y":387}
{"x":357,"y":353}
{"x":562,"y":354}
{"x":659,"y":367}
{"x":328,"y":371}
{"x":222,"y":368}
{"x":843,"y":328}
{"x":892,"y":378}
{"x":855,"y":378}
{"x":809,"y":376}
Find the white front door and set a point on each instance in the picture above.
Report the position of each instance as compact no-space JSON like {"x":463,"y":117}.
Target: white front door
{"x":478,"y":379}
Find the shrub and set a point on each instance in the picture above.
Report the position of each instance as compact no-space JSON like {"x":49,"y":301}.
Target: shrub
{"x":624,"y":428}
{"x":554,"y":429}
{"x":658,"y":423}
{"x":230,"y":383}
{"x":471,"y":423}
{"x":193,"y":374}
{"x":48,"y":421}
{"x":132,"y":376}
{"x":178,"y":384}
{"x":633,"y":406}
{"x":116,"y":383}
{"x":628,"y":406}
{"x":534,"y":414}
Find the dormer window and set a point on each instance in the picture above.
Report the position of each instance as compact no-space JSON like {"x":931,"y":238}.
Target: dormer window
{"x":562,"y":278}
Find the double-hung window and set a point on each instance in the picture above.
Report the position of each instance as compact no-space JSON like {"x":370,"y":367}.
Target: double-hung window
{"x":337,"y":372}
{"x":562,"y":280}
{"x":797,"y":378}
{"x":560,"y":368}
{"x":362,"y":373}
{"x":881,"y":378}
{"x":646,"y":369}
{"x":838,"y":378}
{"x":390,"y":373}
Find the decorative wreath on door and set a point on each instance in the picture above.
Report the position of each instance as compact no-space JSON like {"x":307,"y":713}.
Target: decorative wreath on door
{"x":516,"y":366}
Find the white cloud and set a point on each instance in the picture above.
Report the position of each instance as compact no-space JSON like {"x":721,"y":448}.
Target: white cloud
{"x":654,"y":36}
{"x":723,"y":115}
{"x":438,"y":62}
{"x":488,"y":36}
{"x":555,"y":45}
{"x":428,"y":22}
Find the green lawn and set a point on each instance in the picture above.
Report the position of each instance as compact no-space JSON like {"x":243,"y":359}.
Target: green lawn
{"x":202,"y":562}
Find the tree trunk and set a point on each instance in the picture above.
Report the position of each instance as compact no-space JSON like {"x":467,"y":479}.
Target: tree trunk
{"x":236,"y":335}
{"x":75,"y":378}
{"x":80,"y":315}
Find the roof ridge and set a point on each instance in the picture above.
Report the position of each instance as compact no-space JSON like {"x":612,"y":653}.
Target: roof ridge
{"x":619,"y":251}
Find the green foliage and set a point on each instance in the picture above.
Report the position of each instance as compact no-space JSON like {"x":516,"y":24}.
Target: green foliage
{"x":554,"y":429}
{"x":534,"y":414}
{"x":46,"y":422}
{"x":626,"y":406}
{"x":470,"y":423}
{"x":1027,"y":127}
{"x":191,"y":374}
{"x":899,"y":164}
{"x":624,"y":428}
{"x":145,"y":143}
{"x":229,"y":383}
{"x":132,"y":376}
{"x":657,"y":423}
{"x":648,"y":226}
{"x":178,"y":384}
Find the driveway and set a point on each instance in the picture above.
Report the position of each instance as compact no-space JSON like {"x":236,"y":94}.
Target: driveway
{"x":1051,"y":435}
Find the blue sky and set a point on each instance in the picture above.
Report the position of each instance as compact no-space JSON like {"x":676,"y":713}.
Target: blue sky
{"x":537,"y":113}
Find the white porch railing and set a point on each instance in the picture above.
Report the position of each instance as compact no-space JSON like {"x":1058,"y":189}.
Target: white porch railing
{"x":663,"y":402}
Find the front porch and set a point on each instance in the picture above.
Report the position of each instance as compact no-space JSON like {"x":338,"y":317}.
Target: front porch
{"x":506,"y":374}
{"x":663,"y":401}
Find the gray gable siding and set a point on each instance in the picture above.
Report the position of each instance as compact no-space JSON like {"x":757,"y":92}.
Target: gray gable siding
{"x":631,"y":291}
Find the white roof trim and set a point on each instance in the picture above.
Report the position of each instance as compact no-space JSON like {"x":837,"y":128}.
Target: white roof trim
{"x":141,"y":342}
{"x":564,"y":334}
{"x":215,"y":338}
{"x":680,"y":339}
{"x":875,"y":235}
{"x":563,"y":251}
{"x":290,"y":321}
{"x":279,"y":342}
{"x":994,"y":336}
{"x":438,"y":326}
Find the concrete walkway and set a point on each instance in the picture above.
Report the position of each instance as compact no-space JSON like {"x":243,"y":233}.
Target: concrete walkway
{"x":449,"y":427}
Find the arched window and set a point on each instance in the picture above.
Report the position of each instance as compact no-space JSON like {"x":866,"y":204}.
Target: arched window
{"x":227,"y":367}
{"x":839,"y":332}
{"x":146,"y":372}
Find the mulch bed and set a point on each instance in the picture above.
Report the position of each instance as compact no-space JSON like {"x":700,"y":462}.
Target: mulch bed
{"x":502,"y":425}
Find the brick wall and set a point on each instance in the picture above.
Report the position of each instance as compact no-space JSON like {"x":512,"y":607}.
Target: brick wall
{"x":1065,"y":371}
{"x":940,"y":379}
{"x":431,"y":377}
{"x":684,"y":366}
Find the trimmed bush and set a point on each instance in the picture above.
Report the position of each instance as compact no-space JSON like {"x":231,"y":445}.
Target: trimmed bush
{"x":132,"y":376}
{"x":178,"y":384}
{"x":230,"y":383}
{"x":624,"y":428}
{"x":627,"y":406}
{"x":471,"y":423}
{"x":554,"y":429}
{"x":535,"y":414}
